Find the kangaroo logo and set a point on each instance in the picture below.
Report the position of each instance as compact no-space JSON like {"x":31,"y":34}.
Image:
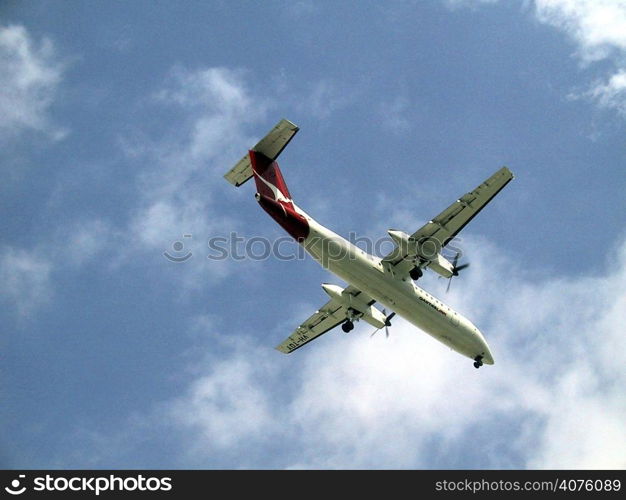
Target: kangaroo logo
{"x":278,"y":195}
{"x":15,"y":484}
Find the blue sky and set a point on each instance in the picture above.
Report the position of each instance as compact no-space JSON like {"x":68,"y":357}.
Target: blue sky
{"x":117,"y":122}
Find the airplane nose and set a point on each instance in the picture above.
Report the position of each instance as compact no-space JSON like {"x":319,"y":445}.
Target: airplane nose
{"x":487,"y":357}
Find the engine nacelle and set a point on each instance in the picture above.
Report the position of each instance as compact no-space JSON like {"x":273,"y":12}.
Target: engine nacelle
{"x":369,"y":313}
{"x":401,"y":239}
{"x":425,"y":251}
{"x":441,"y":266}
{"x":426,"y":248}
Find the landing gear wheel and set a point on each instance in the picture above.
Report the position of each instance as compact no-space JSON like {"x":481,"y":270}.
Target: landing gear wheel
{"x":478,"y":361}
{"x":415,"y":273}
{"x":347,"y":326}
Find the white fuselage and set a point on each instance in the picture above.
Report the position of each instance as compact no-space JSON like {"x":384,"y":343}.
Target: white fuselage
{"x":375,"y":278}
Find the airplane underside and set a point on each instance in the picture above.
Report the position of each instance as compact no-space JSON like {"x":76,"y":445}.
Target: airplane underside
{"x":365,"y":272}
{"x":388,"y":280}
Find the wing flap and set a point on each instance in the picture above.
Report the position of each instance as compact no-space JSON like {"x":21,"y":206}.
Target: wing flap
{"x":326,"y":318}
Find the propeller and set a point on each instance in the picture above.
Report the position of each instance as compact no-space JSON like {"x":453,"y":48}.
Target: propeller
{"x":387,"y":324}
{"x":456,"y":269}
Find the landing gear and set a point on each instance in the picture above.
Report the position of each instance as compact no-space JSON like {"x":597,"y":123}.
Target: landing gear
{"x":478,"y":361}
{"x":415,"y":273}
{"x":347,"y":326}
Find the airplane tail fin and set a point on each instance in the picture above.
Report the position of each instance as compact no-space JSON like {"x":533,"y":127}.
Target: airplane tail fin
{"x":261,"y":159}
{"x":268,"y":177}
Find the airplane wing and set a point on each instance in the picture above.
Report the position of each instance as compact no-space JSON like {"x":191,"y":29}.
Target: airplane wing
{"x":448,"y":223}
{"x":324,"y":319}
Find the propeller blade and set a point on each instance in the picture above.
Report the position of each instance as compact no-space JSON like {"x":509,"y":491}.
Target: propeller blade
{"x":455,"y":269}
{"x":461,"y":267}
{"x":387,"y":324}
{"x":455,"y":260}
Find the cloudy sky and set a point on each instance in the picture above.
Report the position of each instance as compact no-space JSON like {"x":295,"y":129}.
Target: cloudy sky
{"x":117,"y":122}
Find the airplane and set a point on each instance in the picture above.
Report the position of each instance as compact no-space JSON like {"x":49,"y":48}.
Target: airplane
{"x":389,"y":280}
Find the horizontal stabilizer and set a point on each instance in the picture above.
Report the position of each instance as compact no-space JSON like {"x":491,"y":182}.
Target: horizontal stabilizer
{"x":270,"y":146}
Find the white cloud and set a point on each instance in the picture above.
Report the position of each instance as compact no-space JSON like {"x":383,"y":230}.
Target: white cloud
{"x":598,"y":29}
{"x":177,"y":193}
{"x":219,"y":104}
{"x":563,"y":337}
{"x":26,"y":274}
{"x":154,"y":223}
{"x":597,"y":26}
{"x":323,"y":98}
{"x":30,"y":73}
{"x":584,"y":425}
{"x":83,"y":240}
{"x":214,"y":107}
{"x":609,"y":94}
{"x":181,"y":189}
{"x":227,"y":406}
{"x":378,"y":402}
{"x":218,"y":90}
{"x":25,"y":279}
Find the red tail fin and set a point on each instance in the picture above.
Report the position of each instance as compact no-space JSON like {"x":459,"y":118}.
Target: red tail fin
{"x":268,"y":177}
{"x":274,"y":197}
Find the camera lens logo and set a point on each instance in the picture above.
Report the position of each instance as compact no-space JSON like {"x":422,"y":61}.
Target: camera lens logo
{"x":15,"y":489}
{"x":178,"y":247}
